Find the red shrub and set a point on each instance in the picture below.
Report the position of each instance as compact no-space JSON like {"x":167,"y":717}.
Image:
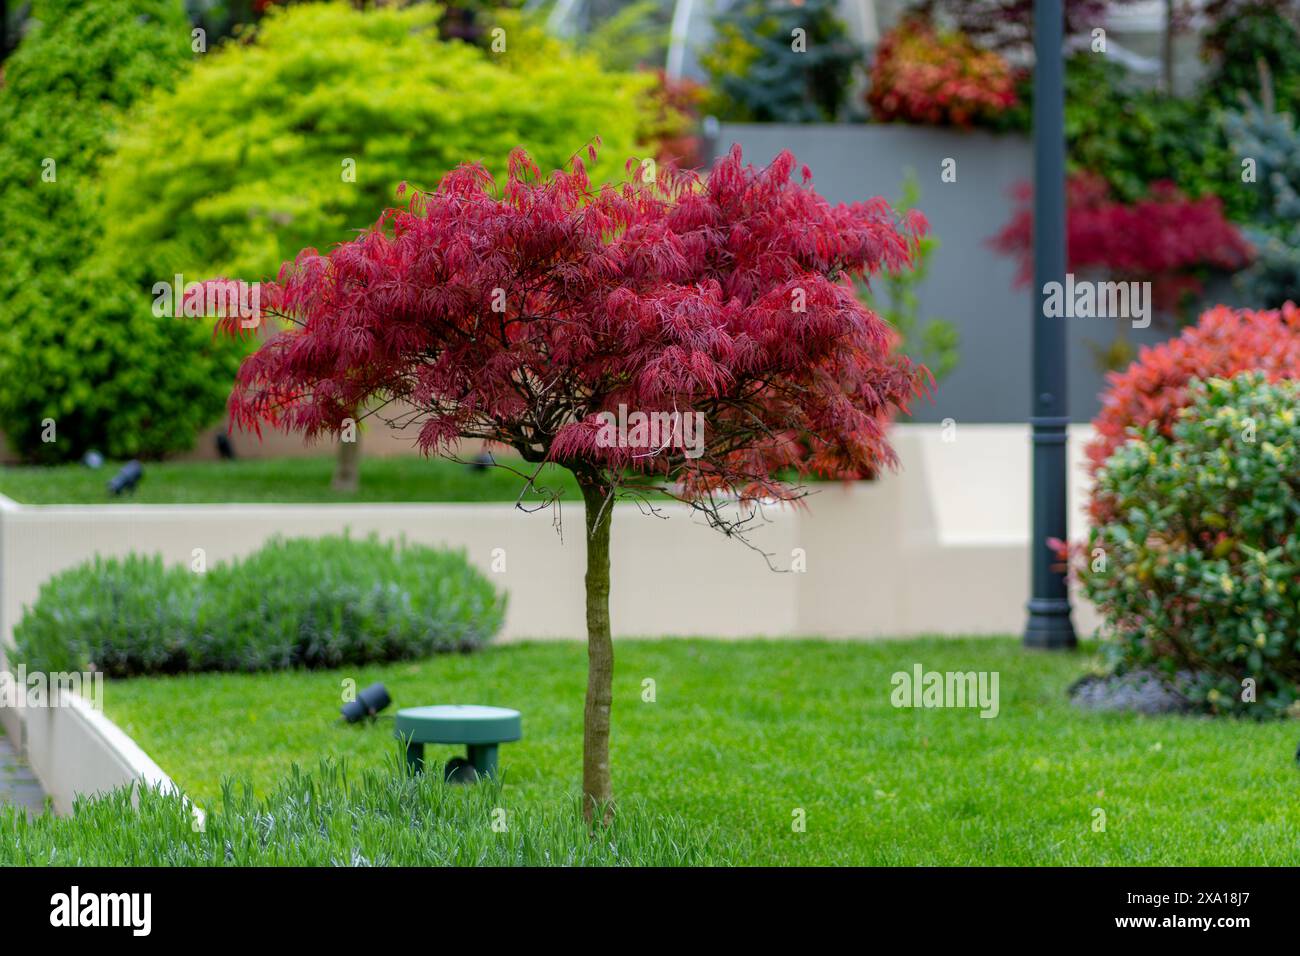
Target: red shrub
{"x":1154,"y":388}
{"x":1166,"y":238}
{"x":937,"y":79}
{"x":1009,"y":24}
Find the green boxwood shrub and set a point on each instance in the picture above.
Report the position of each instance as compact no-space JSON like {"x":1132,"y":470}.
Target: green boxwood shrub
{"x":71,"y":347}
{"x":304,"y":602}
{"x":1198,"y":575}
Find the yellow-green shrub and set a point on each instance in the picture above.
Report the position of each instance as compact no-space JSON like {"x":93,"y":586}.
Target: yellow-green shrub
{"x":249,"y":159}
{"x":69,"y":351}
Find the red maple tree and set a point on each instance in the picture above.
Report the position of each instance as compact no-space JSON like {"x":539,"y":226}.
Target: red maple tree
{"x":519,"y":315}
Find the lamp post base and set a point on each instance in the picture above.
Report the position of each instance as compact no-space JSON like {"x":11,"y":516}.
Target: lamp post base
{"x":1049,"y":626}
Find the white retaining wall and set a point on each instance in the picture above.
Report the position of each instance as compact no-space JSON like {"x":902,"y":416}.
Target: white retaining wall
{"x":940,"y":546}
{"x":74,"y":749}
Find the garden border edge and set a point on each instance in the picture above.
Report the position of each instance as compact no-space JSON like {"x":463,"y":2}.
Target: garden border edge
{"x":75,"y":750}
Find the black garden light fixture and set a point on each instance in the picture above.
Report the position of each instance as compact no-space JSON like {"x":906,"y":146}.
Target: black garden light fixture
{"x":1049,"y":624}
{"x":368,"y":703}
{"x":126,"y":479}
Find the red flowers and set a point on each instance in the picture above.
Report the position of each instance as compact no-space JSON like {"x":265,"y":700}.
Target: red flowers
{"x":1164,"y":238}
{"x":520,"y":316}
{"x":939,"y":79}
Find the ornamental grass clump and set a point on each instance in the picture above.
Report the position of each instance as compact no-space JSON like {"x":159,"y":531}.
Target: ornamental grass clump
{"x":1197,"y":573}
{"x":331,"y":817}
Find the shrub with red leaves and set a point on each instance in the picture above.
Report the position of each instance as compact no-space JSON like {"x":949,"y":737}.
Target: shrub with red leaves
{"x":530,"y":315}
{"x":1166,"y":238}
{"x":1223,"y":343}
{"x":1009,"y":24}
{"x":921,"y":75}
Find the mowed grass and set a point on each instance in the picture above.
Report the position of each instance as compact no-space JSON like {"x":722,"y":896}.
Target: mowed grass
{"x":280,"y":480}
{"x":744,"y":735}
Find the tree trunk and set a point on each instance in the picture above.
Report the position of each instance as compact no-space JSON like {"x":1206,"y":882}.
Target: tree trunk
{"x":597,"y":788}
{"x":347,"y":466}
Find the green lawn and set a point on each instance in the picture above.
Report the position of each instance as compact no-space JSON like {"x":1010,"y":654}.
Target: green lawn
{"x":744,"y":733}
{"x":404,"y":478}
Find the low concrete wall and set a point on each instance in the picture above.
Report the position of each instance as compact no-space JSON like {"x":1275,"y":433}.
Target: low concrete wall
{"x":10,"y":718}
{"x":938,"y":547}
{"x":75,"y":750}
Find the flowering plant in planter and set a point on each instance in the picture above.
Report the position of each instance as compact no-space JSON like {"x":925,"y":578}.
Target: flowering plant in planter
{"x":1165,"y":238}
{"x":937,"y":78}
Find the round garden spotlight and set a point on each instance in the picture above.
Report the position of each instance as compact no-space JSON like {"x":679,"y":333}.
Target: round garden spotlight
{"x":127,"y":478}
{"x":368,"y":703}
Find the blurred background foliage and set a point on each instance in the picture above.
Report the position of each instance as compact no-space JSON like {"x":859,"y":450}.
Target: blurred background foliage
{"x":934,"y":342}
{"x":224,"y":145}
{"x":74,"y":350}
{"x":217,"y":137}
{"x":260,"y":150}
{"x":762,"y":70}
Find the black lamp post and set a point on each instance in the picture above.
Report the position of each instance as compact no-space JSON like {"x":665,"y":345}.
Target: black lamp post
{"x":1049,"y":623}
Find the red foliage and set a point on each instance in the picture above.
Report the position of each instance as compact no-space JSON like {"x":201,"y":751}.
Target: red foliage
{"x":922,"y":76}
{"x":1009,"y":24}
{"x":1221,"y":344}
{"x":679,"y":294}
{"x":673,"y":115}
{"x":1165,"y":238}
